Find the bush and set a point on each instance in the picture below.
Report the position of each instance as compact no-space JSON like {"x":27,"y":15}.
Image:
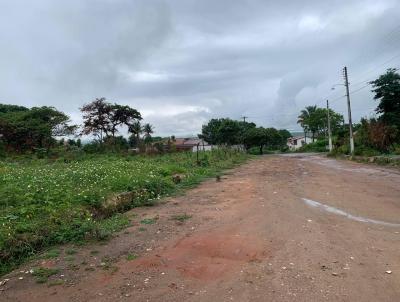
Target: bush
{"x":376,"y":134}
{"x":365,"y":151}
{"x":396,"y":149}
{"x":40,"y":152}
{"x":317,"y":146}
{"x":93,"y":147}
{"x":2,"y":149}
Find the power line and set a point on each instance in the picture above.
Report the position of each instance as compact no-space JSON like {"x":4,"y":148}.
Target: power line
{"x":357,"y":90}
{"x":380,"y":65}
{"x":388,"y":39}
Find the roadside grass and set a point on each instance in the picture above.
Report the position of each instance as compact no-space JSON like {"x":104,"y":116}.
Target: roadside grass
{"x":149,"y":220}
{"x":56,"y":282}
{"x":42,"y":274}
{"x":69,"y":258}
{"x":51,"y":254}
{"x":70,"y":252}
{"x":381,"y":160}
{"x":181,"y":217}
{"x":48,"y":202}
{"x":131,"y":257}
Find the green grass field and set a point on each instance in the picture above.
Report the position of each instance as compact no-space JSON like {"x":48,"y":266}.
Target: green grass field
{"x":44,"y":203}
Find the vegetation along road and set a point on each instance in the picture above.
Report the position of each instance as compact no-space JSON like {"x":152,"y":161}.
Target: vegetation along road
{"x":278,"y":228}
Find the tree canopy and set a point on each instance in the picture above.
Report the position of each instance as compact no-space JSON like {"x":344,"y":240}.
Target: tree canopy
{"x":387,"y":92}
{"x":26,"y":129}
{"x":315,"y":120}
{"x":226,"y":131}
{"x":102,"y":118}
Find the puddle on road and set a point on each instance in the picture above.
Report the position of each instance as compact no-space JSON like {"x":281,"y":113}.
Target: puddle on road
{"x":336,"y":211}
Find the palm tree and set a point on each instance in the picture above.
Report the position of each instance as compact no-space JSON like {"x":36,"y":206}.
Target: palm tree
{"x":136,"y":129}
{"x":148,"y":129}
{"x":305,"y":120}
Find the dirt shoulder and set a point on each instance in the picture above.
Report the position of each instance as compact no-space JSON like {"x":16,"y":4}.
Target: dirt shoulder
{"x":249,"y":237}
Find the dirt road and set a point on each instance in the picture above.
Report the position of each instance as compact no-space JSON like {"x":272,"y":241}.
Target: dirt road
{"x":294,"y":228}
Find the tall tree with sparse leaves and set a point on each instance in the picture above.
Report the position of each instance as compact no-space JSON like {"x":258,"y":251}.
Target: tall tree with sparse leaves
{"x":102,"y":118}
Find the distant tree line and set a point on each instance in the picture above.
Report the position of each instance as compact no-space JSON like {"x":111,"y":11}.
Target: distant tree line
{"x":25,"y":129}
{"x":225,"y":131}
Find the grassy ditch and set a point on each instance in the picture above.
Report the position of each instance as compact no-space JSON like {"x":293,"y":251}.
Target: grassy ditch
{"x":45,"y":203}
{"x":381,"y":160}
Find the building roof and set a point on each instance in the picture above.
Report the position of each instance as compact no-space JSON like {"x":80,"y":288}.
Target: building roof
{"x":297,"y":137}
{"x":189,"y":142}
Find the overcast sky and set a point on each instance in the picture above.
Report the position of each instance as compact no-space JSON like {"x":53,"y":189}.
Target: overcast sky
{"x":182,"y":62}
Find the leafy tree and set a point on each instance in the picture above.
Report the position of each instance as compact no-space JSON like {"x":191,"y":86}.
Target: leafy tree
{"x":210,"y":131}
{"x":244,"y":126}
{"x":387,"y":92}
{"x":116,"y":143}
{"x":5,"y":108}
{"x":26,"y":129}
{"x":122,"y":115}
{"x":255,"y":137}
{"x":225,"y":131}
{"x":284,"y":135}
{"x":264,"y":137}
{"x":273,"y":139}
{"x":315,"y":120}
{"x":102,"y":118}
{"x":96,"y":118}
{"x":71,"y":142}
{"x":229,"y":132}
{"x":336,"y":119}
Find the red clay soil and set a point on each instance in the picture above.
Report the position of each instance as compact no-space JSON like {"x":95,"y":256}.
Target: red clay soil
{"x":251,"y":237}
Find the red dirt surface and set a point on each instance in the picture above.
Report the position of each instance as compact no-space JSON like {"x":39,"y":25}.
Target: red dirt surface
{"x":250,"y":238}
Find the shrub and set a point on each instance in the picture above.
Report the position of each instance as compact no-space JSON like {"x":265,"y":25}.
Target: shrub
{"x":317,"y":146}
{"x":365,"y":151}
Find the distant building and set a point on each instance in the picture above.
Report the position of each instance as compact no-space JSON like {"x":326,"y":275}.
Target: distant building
{"x":296,"y":142}
{"x":191,"y":144}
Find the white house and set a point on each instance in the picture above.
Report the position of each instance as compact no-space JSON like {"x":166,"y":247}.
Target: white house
{"x":187,"y":144}
{"x":296,"y":142}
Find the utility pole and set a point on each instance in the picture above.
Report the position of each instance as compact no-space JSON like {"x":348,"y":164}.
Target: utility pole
{"x":329,"y":127}
{"x":346,"y":83}
{"x":244,"y":118}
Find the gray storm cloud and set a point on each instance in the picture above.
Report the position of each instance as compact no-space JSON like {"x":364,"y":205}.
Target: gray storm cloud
{"x":183,"y":62}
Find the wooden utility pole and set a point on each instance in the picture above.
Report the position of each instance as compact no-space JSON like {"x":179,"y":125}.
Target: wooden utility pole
{"x":346,"y":83}
{"x":329,"y":127}
{"x":244,"y":118}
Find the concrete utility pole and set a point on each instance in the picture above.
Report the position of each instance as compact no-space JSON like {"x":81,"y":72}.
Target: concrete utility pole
{"x":244,"y":118}
{"x":346,"y":83}
{"x":329,"y":127}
